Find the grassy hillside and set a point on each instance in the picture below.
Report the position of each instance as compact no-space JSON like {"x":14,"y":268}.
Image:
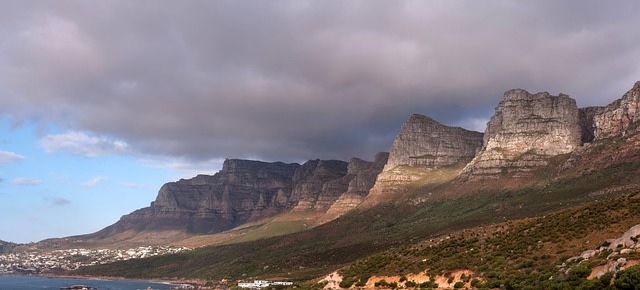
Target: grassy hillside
{"x":600,"y":171}
{"x":522,"y":254}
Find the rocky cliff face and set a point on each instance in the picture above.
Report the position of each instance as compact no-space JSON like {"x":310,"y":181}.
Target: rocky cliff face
{"x":319,"y":183}
{"x":244,"y":191}
{"x":619,"y":117}
{"x":587,"y":123}
{"x":423,"y":142}
{"x":423,"y":145}
{"x":362,"y":176}
{"x":525,"y":131}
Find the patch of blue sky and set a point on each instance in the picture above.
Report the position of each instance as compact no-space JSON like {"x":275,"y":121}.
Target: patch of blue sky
{"x":56,"y":194}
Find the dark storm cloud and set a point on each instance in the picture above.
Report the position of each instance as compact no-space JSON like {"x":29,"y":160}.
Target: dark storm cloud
{"x":293,"y":80}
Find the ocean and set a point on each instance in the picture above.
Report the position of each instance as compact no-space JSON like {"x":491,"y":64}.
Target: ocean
{"x":35,"y":282}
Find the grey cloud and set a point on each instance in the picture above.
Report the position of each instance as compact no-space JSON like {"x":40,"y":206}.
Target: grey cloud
{"x":293,"y":80}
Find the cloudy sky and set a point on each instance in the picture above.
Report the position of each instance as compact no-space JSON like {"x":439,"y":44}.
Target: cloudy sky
{"x":101,"y":102}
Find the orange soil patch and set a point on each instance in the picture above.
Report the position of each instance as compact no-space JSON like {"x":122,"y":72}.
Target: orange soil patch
{"x":443,"y":282}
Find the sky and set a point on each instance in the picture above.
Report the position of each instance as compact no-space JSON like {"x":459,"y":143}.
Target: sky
{"x":102,"y":102}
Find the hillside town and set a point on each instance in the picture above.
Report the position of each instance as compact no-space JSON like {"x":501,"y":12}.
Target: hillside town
{"x":72,"y":259}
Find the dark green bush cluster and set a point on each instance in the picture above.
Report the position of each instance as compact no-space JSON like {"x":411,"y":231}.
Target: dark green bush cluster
{"x":385,"y":284}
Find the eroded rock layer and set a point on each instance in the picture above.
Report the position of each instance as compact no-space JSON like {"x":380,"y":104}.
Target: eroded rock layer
{"x":620,"y":116}
{"x":244,"y":191}
{"x":526,"y":130}
{"x":423,"y":145}
{"x":363,"y":176}
{"x":423,"y":142}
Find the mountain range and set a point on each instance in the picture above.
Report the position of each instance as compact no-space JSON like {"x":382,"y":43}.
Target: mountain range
{"x":539,"y":154}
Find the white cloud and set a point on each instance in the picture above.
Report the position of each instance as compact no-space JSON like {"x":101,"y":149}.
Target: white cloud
{"x":26,"y":181}
{"x":93,"y":181}
{"x":182,"y":168}
{"x":8,"y":157}
{"x":475,"y":124}
{"x":79,"y":143}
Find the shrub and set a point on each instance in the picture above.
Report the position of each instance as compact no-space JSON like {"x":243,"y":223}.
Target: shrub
{"x":579,"y":272}
{"x":590,"y":285}
{"x":605,"y":279}
{"x":410,"y":283}
{"x":346,"y":282}
{"x":458,"y":285}
{"x":475,"y":283}
{"x":381,"y":283}
{"x":628,"y":278}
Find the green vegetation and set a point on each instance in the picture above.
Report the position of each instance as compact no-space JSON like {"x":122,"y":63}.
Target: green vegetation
{"x":520,"y":255}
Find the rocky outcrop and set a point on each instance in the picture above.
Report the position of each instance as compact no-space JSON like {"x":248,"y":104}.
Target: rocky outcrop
{"x":423,"y":142}
{"x":243,"y":190}
{"x":362,"y":176}
{"x":319,"y":183}
{"x":620,"y":117}
{"x":421,"y":146}
{"x":246,"y":190}
{"x":626,"y":245}
{"x":525,"y":131}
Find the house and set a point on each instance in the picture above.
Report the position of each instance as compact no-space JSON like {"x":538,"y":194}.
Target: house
{"x":262,"y":284}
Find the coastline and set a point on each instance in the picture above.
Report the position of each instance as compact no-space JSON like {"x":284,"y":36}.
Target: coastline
{"x":171,"y":282}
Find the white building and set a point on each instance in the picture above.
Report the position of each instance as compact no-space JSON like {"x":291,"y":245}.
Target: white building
{"x":262,"y":284}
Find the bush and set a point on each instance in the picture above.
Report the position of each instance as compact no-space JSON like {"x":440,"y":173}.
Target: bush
{"x":458,"y":285}
{"x":475,"y":283}
{"x":381,"y":283}
{"x":605,"y":279}
{"x":591,"y":285}
{"x":579,"y":272}
{"x":628,"y":278}
{"x":410,"y":283}
{"x":347,"y":282}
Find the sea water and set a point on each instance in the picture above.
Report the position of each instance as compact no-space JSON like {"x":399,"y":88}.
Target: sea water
{"x":35,"y":282}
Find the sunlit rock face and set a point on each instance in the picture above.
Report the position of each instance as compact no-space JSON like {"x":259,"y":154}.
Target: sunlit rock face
{"x":423,"y":142}
{"x":423,"y":145}
{"x":620,"y":117}
{"x":525,"y":130}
